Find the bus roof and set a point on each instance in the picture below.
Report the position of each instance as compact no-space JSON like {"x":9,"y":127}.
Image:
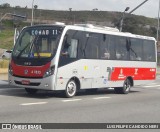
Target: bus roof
{"x":107,"y":30}
{"x":98,"y":29}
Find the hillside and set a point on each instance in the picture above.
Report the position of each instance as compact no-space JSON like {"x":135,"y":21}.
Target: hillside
{"x":77,"y":16}
{"x":132,"y":23}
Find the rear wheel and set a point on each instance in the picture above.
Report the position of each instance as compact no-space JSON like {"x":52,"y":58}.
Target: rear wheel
{"x":31,"y":91}
{"x":125,"y":89}
{"x":71,"y":89}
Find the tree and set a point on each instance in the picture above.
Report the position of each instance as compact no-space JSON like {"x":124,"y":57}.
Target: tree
{"x":5,"y":5}
{"x":17,"y":7}
{"x":136,"y":25}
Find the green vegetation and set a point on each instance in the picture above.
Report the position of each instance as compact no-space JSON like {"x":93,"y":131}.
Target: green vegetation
{"x":6,"y":39}
{"x":4,"y":63}
{"x":132,"y":23}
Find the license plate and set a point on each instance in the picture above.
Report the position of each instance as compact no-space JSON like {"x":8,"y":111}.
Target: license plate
{"x":25,"y":82}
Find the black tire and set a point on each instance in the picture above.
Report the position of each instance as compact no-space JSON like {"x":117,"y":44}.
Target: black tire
{"x":125,"y":89}
{"x":71,"y":89}
{"x":31,"y":91}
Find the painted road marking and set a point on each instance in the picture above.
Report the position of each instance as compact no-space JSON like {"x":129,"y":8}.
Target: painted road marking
{"x":71,"y":100}
{"x":37,"y":103}
{"x":1,"y":89}
{"x":102,"y":98}
{"x":151,"y":86}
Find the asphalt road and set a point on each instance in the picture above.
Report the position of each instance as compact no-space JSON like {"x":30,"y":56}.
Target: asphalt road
{"x":141,"y":105}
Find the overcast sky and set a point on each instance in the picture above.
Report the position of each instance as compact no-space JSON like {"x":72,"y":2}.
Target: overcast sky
{"x":149,"y":9}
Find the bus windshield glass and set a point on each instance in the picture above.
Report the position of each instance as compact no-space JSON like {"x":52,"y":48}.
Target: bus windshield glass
{"x":37,"y":42}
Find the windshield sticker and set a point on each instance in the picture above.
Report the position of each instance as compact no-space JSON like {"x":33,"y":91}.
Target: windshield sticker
{"x":42,"y":54}
{"x":31,"y":55}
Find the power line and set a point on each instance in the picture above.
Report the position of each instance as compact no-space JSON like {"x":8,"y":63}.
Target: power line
{"x":138,"y":7}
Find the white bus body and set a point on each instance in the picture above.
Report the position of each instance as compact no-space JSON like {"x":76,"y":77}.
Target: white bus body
{"x":72,"y":57}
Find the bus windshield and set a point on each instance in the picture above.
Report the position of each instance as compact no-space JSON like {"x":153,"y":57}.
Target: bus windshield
{"x":37,"y":42}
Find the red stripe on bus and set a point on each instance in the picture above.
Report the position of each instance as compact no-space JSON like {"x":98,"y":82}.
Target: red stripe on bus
{"x":29,"y":71}
{"x":121,"y":73}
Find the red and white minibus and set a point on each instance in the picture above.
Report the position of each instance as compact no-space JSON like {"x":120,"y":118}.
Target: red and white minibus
{"x":73,"y":57}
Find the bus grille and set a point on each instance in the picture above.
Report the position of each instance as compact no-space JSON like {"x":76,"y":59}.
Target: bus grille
{"x":31,"y":84}
{"x":28,"y":77}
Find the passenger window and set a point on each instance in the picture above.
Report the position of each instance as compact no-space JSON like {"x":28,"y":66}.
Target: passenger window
{"x":104,"y":49}
{"x":136,"y":50}
{"x":92,"y":48}
{"x":149,"y":50}
{"x":111,"y":47}
{"x":121,"y":49}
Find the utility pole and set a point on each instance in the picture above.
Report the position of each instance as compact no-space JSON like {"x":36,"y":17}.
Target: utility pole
{"x":121,"y":21}
{"x":134,"y":10}
{"x":138,"y":6}
{"x":32,"y":13}
{"x":158,"y":23}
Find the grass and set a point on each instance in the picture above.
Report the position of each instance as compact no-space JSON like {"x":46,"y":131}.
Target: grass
{"x":6,"y":39}
{"x":4,"y":64}
{"x":3,"y":70}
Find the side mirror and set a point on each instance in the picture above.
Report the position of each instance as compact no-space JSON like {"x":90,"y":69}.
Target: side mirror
{"x":9,"y":51}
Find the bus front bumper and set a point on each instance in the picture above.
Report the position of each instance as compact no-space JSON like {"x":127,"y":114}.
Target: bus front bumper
{"x":47,"y":83}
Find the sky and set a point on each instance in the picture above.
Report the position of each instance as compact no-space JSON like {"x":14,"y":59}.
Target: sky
{"x":149,"y":9}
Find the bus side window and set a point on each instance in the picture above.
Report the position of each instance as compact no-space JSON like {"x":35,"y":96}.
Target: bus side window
{"x":136,"y":49}
{"x":70,"y":46}
{"x":111,"y":47}
{"x":65,"y":47}
{"x":91,"y":46}
{"x":104,"y":51}
{"x":72,"y":51}
{"x":121,"y":50}
{"x":149,"y":51}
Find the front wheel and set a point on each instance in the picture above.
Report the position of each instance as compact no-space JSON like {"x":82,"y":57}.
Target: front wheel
{"x":71,"y":89}
{"x":125,"y":89}
{"x":31,"y":91}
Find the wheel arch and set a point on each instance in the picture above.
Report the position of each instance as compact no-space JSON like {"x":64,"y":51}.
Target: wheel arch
{"x":77,"y":81}
{"x":131,"y":80}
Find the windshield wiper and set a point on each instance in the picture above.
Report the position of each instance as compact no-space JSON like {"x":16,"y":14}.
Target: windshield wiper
{"x":30,"y":43}
{"x":23,"y":50}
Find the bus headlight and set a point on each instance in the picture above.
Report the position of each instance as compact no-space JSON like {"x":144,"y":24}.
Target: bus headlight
{"x":49,"y":72}
{"x":10,"y":70}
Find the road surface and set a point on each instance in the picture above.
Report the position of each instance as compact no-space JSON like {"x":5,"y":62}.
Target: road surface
{"x":141,"y":105}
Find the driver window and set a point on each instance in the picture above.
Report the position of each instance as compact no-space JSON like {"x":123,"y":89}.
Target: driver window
{"x":66,"y":45}
{"x":73,"y":48}
{"x":70,"y":45}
